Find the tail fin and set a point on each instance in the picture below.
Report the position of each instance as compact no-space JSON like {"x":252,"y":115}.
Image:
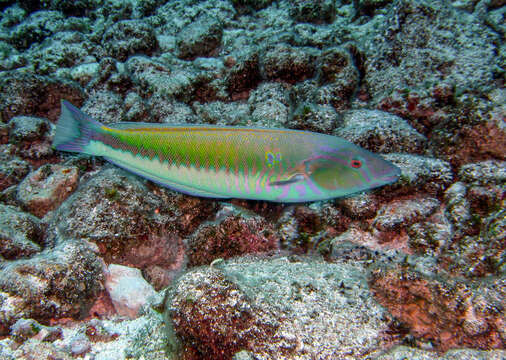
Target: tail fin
{"x":74,"y":129}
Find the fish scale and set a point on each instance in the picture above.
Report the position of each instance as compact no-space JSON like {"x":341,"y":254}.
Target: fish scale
{"x":279,"y":165}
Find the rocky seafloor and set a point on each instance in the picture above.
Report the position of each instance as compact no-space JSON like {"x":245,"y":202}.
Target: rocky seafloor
{"x":96,"y":263}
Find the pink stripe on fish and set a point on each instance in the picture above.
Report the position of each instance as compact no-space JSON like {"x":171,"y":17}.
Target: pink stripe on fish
{"x":313,"y":187}
{"x":266,"y":184}
{"x":227,"y":183}
{"x":258,"y":188}
{"x":284,"y":194}
{"x":236,"y":177}
{"x":301,"y":189}
{"x":246,"y":178}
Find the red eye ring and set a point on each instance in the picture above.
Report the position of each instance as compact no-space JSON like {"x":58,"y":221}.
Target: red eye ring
{"x":356,"y":163}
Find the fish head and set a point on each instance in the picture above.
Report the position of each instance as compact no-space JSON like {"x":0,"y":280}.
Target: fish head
{"x":347,"y":169}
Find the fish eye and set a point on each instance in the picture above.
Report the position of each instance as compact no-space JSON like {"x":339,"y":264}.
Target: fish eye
{"x":356,"y":163}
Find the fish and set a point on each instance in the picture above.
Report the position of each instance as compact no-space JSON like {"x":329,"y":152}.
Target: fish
{"x":223,"y":162}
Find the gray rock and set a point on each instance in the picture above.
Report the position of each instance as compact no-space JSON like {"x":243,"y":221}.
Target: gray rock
{"x":402,"y":213}
{"x":25,"y":329}
{"x":26,"y":128}
{"x":421,"y":173}
{"x":243,"y":355}
{"x":306,"y":92}
{"x":336,"y":94}
{"x":69,"y":8}
{"x":495,"y":19}
{"x":423,"y":48}
{"x":36,"y":152}
{"x":110,"y":75}
{"x":171,"y":111}
{"x":231,"y":236}
{"x":12,"y":62}
{"x":458,"y":206}
{"x":270,"y":114}
{"x":380,"y":132}
{"x":45,"y":189}
{"x":172,"y":17}
{"x":145,"y":337}
{"x":33,"y":350}
{"x":405,"y":352}
{"x":62,"y":50}
{"x":12,"y":170}
{"x":431,"y":235}
{"x":118,"y":10}
{"x":209,"y":64}
{"x":135,"y":107}
{"x":320,"y":11}
{"x":83,"y":73}
{"x":359,"y":206}
{"x":35,"y":28}
{"x":199,"y":38}
{"x":129,"y":37}
{"x":69,"y":274}
{"x":21,"y":234}
{"x":270,"y":106}
{"x":132,"y":224}
{"x":154,"y":77}
{"x":222,"y":113}
{"x":351,"y":247}
{"x":304,"y":228}
{"x":307,"y":34}
{"x":492,"y":241}
{"x":244,"y":73}
{"x":80,"y":345}
{"x":467,"y":5}
{"x":306,"y":308}
{"x":269,"y":91}
{"x":287,"y":63}
{"x":24,"y":93}
{"x":368,"y":7}
{"x":12,"y":15}
{"x":319,"y":118}
{"x":477,"y":217}
{"x":339,"y":76}
{"x":483,"y":173}
{"x":104,"y":106}
{"x":255,"y":4}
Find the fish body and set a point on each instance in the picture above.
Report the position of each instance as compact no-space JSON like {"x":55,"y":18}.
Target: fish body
{"x":279,"y":165}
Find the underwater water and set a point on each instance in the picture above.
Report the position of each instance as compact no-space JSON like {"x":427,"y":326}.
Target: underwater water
{"x":295,"y":179}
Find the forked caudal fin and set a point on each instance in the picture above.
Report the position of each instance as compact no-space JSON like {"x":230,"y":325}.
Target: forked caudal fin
{"x":74,"y":129}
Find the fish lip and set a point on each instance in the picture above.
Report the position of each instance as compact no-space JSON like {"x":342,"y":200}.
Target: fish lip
{"x":391,"y":178}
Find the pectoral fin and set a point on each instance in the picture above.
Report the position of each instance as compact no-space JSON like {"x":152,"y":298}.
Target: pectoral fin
{"x":292,"y":180}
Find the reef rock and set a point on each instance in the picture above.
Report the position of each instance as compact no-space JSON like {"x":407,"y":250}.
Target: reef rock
{"x":276,"y":308}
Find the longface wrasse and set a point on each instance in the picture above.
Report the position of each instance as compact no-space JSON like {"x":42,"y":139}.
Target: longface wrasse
{"x":278,"y":165}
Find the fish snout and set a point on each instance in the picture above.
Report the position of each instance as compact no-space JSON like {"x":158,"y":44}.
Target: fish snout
{"x":382,"y":171}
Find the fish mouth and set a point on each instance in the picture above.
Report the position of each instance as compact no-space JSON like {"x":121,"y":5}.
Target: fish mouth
{"x":391,"y":177}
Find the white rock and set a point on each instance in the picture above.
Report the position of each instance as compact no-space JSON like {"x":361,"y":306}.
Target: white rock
{"x":128,"y":289}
